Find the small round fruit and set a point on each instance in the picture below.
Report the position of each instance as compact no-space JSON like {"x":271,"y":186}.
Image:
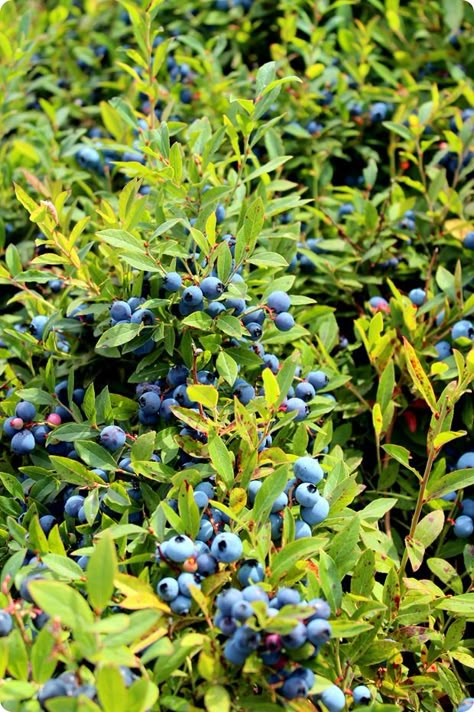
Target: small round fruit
{"x":463,"y":527}
{"x":417,"y":296}
{"x":178,"y":548}
{"x":334,"y":699}
{"x":319,"y":631}
{"x":308,"y":469}
{"x":172,"y":282}
{"x":23,"y":442}
{"x":279,"y":301}
{"x":284,"y":321}
{"x":167,"y":589}
{"x":112,"y":437}
{"x":298,"y":406}
{"x":227,"y":547}
{"x":6,"y":624}
{"x":26,"y":411}
{"x":361,"y":695}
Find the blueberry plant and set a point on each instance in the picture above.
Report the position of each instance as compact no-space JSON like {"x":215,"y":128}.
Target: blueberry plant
{"x":236,"y":355}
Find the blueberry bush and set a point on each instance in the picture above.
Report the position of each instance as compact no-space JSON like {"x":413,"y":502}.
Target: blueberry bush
{"x":236,"y":356}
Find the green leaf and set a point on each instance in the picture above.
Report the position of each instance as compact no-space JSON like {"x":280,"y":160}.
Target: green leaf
{"x":430,"y":527}
{"x":462,"y":605}
{"x":343,"y":548}
{"x":273,"y":485}
{"x":118,"y":335}
{"x":95,"y":455}
{"x":188,"y":510}
{"x":349,"y":629}
{"x":100,"y":572}
{"x":43,"y":660}
{"x":363,"y":576}
{"x":446,"y":573}
{"x":446,"y":437}
{"x":268,"y":259}
{"x":452,"y":482}
{"x":61,"y":601}
{"x":227,"y":368}
{"x":111,"y":689}
{"x":69,"y":432}
{"x":289,"y":555}
{"x":267,"y":167}
{"x":330,"y":581}
{"x":221,"y":459}
{"x":419,"y":377}
{"x":143,"y":447}
{"x":415,"y":551}
{"x":271,"y":387}
{"x":208,"y":396}
{"x":63,"y":566}
{"x":401,"y":455}
{"x":217,"y":699}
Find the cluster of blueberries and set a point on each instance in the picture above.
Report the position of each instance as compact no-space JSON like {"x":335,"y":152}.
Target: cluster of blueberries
{"x":461,"y":330}
{"x":25,"y":433}
{"x":463,"y":524}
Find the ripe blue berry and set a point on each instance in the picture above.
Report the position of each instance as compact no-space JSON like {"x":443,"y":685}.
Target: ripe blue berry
{"x":6,"y":624}
{"x":378,"y":303}
{"x":234,"y":654}
{"x":245,"y":393}
{"x":220,"y":213}
{"x":112,"y":437}
{"x":150,"y":403}
{"x":185,"y":580}
{"x":279,"y":301}
{"x":251,"y":572}
{"x":308,"y":469}
{"x":305,"y":391}
{"x":293,"y":688}
{"x":318,"y":631}
{"x":466,"y":705}
{"x":462,"y":329}
{"x":417,"y":296}
{"x":73,"y":505}
{"x":181,"y":604}
{"x":318,"y":379}
{"x":295,"y":638}
{"x":192,"y":296}
{"x":178,"y":548}
{"x":255,"y":330}
{"x":298,"y":406}
{"x":469,"y":240}
{"x":167,"y":589}
{"x":25,"y":410}
{"x":315,"y":514}
{"x":302,"y":529}
{"x":120,"y":311}
{"x":361,"y":695}
{"x":284,"y":321}
{"x":37,"y":326}
{"x":172,"y":282}
{"x":23,"y":442}
{"x":467,"y":506}
{"x":463,"y":527}
{"x":306,"y":494}
{"x":444,"y":349}
{"x":226,"y":599}
{"x":334,"y":699}
{"x":466,"y":460}
{"x":227,"y":547}
{"x":212,"y":287}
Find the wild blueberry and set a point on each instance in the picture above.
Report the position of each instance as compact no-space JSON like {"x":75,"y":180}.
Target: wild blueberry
{"x":178,"y":548}
{"x":23,"y":442}
{"x":315,"y":514}
{"x":284,"y":321}
{"x":172,"y":282}
{"x":112,"y":437}
{"x":25,"y":410}
{"x":120,"y":311}
{"x":279,"y":301}
{"x":361,"y":695}
{"x":298,"y":406}
{"x":463,"y":527}
{"x":227,"y":547}
{"x":212,"y":287}
{"x":37,"y":326}
{"x":308,"y":469}
{"x":6,"y":624}
{"x":334,"y":699}
{"x":417,"y":296}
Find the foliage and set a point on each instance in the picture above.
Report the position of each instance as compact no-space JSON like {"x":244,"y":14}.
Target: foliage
{"x":322,"y":150}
